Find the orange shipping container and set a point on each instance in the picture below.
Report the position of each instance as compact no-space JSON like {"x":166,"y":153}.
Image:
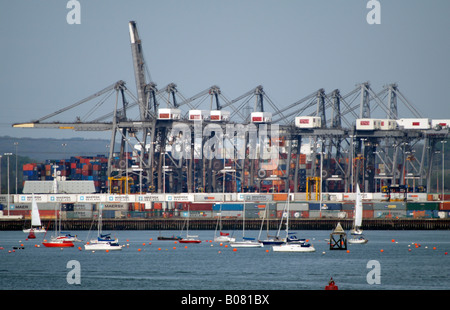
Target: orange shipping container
{"x":280,"y":197}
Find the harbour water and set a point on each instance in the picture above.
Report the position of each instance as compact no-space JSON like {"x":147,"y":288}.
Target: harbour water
{"x":146,"y":263}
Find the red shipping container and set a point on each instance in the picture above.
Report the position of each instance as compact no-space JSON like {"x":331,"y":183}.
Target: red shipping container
{"x":200,"y":206}
{"x":444,"y":206}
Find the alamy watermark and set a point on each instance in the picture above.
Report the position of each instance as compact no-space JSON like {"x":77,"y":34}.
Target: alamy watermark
{"x":74,"y":275}
{"x":374,"y":275}
{"x":74,"y":15}
{"x":374,"y":15}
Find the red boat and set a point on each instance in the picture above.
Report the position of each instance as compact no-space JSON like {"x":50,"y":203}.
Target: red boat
{"x":189,"y":240}
{"x":58,"y":243}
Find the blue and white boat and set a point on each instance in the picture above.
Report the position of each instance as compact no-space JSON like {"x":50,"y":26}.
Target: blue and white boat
{"x":292,"y":243}
{"x":104,"y":241}
{"x":246,"y":242}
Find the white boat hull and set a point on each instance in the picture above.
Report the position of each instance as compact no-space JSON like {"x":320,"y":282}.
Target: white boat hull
{"x":101,"y":246}
{"x":35,"y":230}
{"x":224,"y":239}
{"x":293,"y":248}
{"x":357,"y":241}
{"x":356,"y":232}
{"x":246,"y":244}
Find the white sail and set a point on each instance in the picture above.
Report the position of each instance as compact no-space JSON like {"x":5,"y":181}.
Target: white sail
{"x":358,"y":208}
{"x":35,"y":218}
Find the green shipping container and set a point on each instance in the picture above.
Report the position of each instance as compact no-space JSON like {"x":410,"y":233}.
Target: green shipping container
{"x":422,"y":206}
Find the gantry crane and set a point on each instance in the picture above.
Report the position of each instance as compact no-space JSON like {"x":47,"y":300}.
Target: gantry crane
{"x":351,"y":154}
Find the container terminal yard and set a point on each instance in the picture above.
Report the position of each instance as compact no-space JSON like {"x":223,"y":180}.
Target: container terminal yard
{"x":207,"y":156}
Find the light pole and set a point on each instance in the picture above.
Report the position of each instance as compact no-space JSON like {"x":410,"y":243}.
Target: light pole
{"x":8,"y":154}
{"x":1,"y":174}
{"x":16,"y":144}
{"x":443,"y":142}
{"x":64,"y":152}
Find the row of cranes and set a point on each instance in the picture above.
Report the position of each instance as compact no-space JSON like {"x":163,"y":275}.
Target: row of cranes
{"x":313,"y":149}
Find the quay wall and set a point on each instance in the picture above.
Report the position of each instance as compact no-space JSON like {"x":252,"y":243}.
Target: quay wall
{"x":235,"y":224}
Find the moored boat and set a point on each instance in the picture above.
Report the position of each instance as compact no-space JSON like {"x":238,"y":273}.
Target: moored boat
{"x":190,"y":239}
{"x":36,"y":226}
{"x":103,"y":241}
{"x":247,"y":243}
{"x":58,"y":243}
{"x":294,"y":247}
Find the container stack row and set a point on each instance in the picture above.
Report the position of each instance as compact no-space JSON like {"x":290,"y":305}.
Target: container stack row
{"x":92,"y":168}
{"x":229,"y":210}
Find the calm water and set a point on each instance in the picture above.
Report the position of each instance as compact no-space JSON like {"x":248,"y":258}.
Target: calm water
{"x":209,"y":266}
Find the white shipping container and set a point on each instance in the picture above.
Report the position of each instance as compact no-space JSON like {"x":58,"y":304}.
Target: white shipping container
{"x":209,"y":197}
{"x":82,"y":207}
{"x":442,"y":123}
{"x":368,"y":124}
{"x":197,"y":115}
{"x":308,"y":122}
{"x":219,"y":115}
{"x":169,"y":114}
{"x":388,"y":124}
{"x":414,"y":123}
{"x":299,"y":196}
{"x":293,"y":206}
{"x":261,"y":117}
{"x":115,"y":206}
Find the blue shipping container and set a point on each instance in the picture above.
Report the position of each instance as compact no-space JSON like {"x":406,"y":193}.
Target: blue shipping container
{"x":325,"y":206}
{"x":228,"y":207}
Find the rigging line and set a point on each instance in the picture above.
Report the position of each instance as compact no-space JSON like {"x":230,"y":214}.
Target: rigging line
{"x":79,"y":102}
{"x":95,"y":107}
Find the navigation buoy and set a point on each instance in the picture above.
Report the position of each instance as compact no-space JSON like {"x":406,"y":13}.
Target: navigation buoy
{"x":331,"y":285}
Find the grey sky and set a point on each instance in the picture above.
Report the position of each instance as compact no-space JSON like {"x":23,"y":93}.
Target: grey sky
{"x":291,"y":48}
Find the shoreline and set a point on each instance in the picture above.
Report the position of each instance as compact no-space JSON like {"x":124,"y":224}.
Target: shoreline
{"x":233,"y":224}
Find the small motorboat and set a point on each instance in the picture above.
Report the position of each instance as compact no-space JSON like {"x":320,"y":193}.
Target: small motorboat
{"x":294,"y":247}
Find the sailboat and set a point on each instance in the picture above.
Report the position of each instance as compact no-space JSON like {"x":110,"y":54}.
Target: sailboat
{"x":223,"y":237}
{"x":270,"y":239}
{"x":356,"y":231}
{"x":292,"y":244}
{"x":103,"y":241}
{"x":61,"y":241}
{"x":189,"y":238}
{"x":246,"y":242}
{"x":36,"y":226}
